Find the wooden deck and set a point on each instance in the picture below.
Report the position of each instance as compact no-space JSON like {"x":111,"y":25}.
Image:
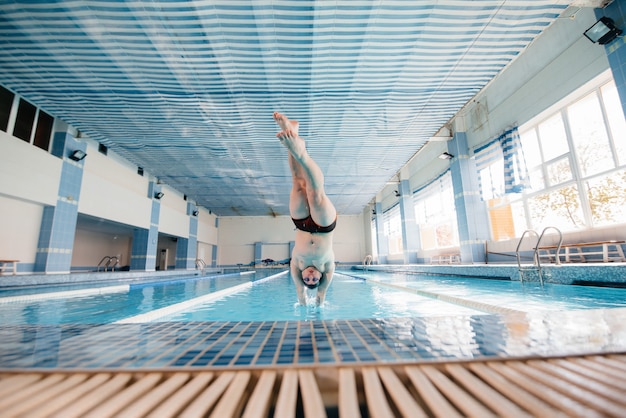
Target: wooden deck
{"x":585,"y":386}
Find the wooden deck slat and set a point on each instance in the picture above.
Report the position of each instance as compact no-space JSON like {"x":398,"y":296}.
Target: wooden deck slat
{"x":95,"y":396}
{"x":544,"y":386}
{"x":348,"y":395}
{"x":30,"y":390}
{"x":573,"y":387}
{"x":493,"y":399}
{"x":514,"y":392}
{"x":15,"y":383}
{"x":260,"y":400}
{"x":586,"y":396}
{"x":403,"y":400}
{"x":589,"y":379}
{"x":172,"y":406}
{"x":287,"y":396}
{"x":438,"y":403}
{"x":42,"y":397}
{"x":125,"y":397}
{"x":463,"y":401}
{"x":145,"y":404}
{"x":311,"y":396}
{"x":602,"y":370}
{"x":205,"y":400}
{"x":375,"y":394}
{"x":569,"y":406}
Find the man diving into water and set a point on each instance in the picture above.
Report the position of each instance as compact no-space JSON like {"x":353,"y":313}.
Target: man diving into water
{"x":315,"y":217}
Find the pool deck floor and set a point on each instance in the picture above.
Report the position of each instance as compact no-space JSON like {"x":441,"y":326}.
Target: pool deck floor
{"x":509,"y":363}
{"x":580,"y":386}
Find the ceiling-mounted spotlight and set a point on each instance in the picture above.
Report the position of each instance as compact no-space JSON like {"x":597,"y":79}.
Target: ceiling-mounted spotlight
{"x":446,"y":156}
{"x":77,"y":155}
{"x":158,"y":195}
{"x":603,"y":31}
{"x":195,"y":213}
{"x":397,"y":193}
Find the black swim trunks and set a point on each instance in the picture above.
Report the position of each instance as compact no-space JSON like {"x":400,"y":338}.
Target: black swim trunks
{"x":308,"y":225}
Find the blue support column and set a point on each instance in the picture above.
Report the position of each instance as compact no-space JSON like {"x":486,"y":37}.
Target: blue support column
{"x":58,"y":224}
{"x":381,"y":238}
{"x":187,"y":249}
{"x":471,"y":213}
{"x":410,"y":232}
{"x":145,"y":241}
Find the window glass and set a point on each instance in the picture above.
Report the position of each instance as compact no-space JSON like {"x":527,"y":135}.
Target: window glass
{"x":44,"y":130}
{"x":589,"y":135}
{"x":615,"y":116}
{"x":530,"y":145}
{"x":560,"y":208}
{"x":393,"y":230}
{"x":24,"y":121}
{"x":558,"y":171}
{"x":492,"y":180}
{"x":435,"y":214}
{"x":607,"y":198}
{"x":553,"y":138}
{"x":6,"y":102}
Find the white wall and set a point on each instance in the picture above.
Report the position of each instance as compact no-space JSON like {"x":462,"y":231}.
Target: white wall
{"x":27,"y":172}
{"x":112,"y":189}
{"x":238,"y":235}
{"x":173,"y":218}
{"x":91,"y":246}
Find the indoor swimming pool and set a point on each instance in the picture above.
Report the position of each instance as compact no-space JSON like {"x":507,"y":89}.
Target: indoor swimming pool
{"x":253,"y":320}
{"x":270,"y":296}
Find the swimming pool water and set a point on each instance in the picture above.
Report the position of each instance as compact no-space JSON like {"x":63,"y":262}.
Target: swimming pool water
{"x":349,"y":297}
{"x":105,"y":304}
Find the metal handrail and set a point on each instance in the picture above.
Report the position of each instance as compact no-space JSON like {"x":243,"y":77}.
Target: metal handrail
{"x":107,"y":258}
{"x":557,"y":258}
{"x":519,"y":244}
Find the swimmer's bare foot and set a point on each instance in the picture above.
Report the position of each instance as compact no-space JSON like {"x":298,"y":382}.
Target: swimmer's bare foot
{"x":293,"y":142}
{"x":286,"y":124}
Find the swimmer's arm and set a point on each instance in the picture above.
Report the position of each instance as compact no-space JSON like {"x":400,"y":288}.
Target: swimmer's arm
{"x":328,"y":277}
{"x":296,"y":276}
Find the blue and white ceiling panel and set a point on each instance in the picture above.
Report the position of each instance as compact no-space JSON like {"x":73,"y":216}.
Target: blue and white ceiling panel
{"x":186,"y":89}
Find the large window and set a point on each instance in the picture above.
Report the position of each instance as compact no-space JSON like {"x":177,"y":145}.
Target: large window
{"x":435,"y":214}
{"x":576,"y":165}
{"x":392,"y":224}
{"x":30,"y":123}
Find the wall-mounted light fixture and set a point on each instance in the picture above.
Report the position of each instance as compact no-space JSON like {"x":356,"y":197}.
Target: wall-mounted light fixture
{"x":158,"y":195}
{"x":397,"y":193}
{"x":77,"y":155}
{"x":603,"y":31}
{"x":446,"y":156}
{"x":195,"y":213}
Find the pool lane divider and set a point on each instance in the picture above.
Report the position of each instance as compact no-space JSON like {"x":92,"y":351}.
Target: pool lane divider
{"x":479,"y":306}
{"x":65,"y":294}
{"x":191,"y":303}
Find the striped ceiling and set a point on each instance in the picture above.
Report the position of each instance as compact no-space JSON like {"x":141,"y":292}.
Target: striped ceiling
{"x":186,"y":89}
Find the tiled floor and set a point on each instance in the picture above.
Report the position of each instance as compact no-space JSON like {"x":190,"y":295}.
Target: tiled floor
{"x":340,"y":342}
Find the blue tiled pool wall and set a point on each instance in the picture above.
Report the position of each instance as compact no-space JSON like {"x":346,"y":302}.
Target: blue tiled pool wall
{"x":282,"y":343}
{"x":592,"y":273}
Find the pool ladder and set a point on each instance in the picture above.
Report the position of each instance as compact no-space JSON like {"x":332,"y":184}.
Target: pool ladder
{"x":108,"y":261}
{"x":536,"y":266}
